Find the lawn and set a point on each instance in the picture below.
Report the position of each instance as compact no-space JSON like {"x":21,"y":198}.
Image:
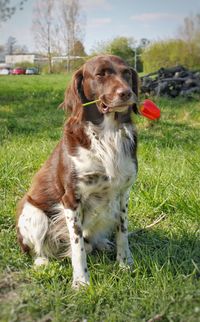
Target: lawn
{"x":165,"y":282}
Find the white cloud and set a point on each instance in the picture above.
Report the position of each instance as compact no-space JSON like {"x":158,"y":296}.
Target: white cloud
{"x":154,"y":16}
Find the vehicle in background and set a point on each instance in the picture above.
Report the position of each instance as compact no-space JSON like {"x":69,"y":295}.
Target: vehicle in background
{"x":32,"y":71}
{"x":5,"y":71}
{"x":18,"y":71}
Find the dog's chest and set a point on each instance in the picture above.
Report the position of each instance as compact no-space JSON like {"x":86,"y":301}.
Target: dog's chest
{"x":106,"y":169}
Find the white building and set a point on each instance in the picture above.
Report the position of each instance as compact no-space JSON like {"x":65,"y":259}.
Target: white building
{"x":22,"y":58}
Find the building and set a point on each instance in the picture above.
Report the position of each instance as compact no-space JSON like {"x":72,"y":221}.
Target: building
{"x":24,"y":58}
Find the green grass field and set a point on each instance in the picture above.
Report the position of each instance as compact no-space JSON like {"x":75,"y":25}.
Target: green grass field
{"x":165,"y":282}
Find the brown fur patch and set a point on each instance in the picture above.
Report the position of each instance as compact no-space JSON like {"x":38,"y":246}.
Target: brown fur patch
{"x":77,"y":230}
{"x":75,"y":136}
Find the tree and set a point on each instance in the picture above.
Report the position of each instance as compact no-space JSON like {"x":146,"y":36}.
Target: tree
{"x":78,"y":49}
{"x":57,"y":28}
{"x":123,"y":47}
{"x":43,"y":26}
{"x":8,"y":9}
{"x":190,"y":33}
{"x":144,"y":42}
{"x":142,"y":45}
{"x":21,"y":49}
{"x":71,"y":26}
{"x":120,"y":46}
{"x":190,"y":29}
{"x":184,"y":50}
{"x":10,"y":45}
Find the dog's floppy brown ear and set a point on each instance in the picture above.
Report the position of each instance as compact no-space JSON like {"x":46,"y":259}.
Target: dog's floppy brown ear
{"x":72,"y":101}
{"x":135,"y":88}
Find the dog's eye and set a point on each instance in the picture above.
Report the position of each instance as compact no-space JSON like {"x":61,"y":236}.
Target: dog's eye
{"x":127,"y":74}
{"x":100,"y":73}
{"x":104,"y":72}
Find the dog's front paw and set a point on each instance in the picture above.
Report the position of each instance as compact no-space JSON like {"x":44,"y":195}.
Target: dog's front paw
{"x":125,"y":262}
{"x":80,"y":282}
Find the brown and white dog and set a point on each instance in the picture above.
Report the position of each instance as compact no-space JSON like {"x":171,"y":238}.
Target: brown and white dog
{"x":80,"y":195}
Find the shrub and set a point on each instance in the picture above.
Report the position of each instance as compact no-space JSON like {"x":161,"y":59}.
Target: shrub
{"x":170,"y":53}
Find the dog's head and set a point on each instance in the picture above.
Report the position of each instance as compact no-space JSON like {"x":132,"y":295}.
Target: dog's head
{"x":107,"y":78}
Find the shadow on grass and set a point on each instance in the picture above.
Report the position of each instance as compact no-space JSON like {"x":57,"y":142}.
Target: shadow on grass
{"x":150,"y":248}
{"x":177,"y":254}
{"x":153,"y":252}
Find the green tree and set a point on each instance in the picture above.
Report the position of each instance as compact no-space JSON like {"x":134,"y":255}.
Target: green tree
{"x":78,"y":49}
{"x":120,"y":46}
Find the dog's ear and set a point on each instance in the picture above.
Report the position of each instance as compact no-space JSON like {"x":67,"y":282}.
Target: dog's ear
{"x":72,"y":101}
{"x":135,"y":88}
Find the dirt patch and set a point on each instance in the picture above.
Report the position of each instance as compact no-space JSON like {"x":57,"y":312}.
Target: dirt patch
{"x":8,"y":287}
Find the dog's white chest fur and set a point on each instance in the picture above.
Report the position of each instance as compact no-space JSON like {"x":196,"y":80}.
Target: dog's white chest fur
{"x":104,"y":172}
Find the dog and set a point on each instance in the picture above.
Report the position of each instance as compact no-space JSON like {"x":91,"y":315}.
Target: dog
{"x":80,"y":195}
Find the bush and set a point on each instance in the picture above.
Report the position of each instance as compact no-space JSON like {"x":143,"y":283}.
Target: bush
{"x":24,"y":64}
{"x":170,"y":53}
{"x":61,"y":67}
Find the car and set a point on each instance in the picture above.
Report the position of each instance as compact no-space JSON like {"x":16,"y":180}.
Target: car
{"x":18,"y":71}
{"x":32,"y":71}
{"x":4,"y":71}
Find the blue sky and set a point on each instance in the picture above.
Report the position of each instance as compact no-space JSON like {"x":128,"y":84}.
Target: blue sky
{"x":105,"y":19}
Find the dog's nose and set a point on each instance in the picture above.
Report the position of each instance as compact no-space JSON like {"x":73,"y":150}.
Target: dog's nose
{"x":124,"y":93}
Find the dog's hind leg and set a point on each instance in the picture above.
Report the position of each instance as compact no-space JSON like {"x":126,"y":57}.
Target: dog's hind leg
{"x":32,"y":228}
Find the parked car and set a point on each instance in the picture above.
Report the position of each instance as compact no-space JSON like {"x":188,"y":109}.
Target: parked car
{"x":18,"y":71}
{"x":4,"y":71}
{"x":32,"y":71}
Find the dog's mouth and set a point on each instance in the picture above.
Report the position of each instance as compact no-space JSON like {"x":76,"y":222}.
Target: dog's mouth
{"x":104,"y":108}
{"x":107,"y":105}
{"x":115,"y":107}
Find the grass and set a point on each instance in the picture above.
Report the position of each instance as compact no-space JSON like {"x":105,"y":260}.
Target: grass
{"x":165,"y":282}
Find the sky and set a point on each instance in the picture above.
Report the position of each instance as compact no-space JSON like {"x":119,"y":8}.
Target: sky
{"x":106,"y":19}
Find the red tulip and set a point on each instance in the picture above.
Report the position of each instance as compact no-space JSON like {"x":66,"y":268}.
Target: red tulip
{"x":149,"y":110}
